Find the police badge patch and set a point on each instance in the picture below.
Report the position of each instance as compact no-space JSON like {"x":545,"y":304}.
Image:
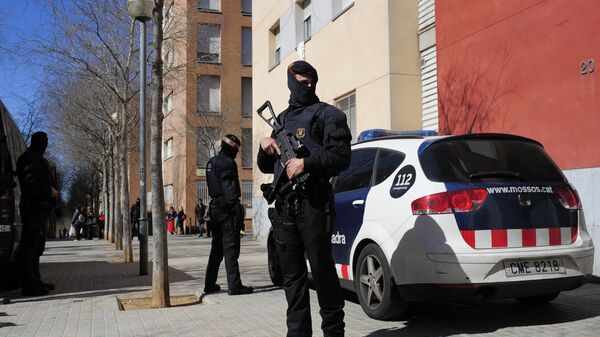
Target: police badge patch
{"x":300,"y":133}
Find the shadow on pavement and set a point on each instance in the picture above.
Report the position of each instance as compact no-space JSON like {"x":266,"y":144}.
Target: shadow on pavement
{"x":264,"y":289}
{"x":94,"y":278}
{"x":444,"y":319}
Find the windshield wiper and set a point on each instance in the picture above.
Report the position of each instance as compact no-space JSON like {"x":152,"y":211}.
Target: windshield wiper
{"x":495,"y":174}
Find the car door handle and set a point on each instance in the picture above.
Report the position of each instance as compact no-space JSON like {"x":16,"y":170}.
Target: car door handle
{"x":357,"y":203}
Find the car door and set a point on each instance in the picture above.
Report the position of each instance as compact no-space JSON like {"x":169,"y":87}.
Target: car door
{"x":351,"y":188}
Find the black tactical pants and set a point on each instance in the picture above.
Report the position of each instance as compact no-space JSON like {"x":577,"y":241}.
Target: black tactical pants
{"x":31,"y":247}
{"x":308,"y":232}
{"x":225,"y":243}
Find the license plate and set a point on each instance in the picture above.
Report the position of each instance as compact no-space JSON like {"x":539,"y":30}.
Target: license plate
{"x":5,"y":228}
{"x":534,"y":267}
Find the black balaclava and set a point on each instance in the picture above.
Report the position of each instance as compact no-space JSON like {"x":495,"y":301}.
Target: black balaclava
{"x":230,"y":145}
{"x":39,"y":142}
{"x":300,"y":94}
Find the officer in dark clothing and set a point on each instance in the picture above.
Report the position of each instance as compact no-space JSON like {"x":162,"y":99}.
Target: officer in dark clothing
{"x":225,"y":212}
{"x":38,"y":195}
{"x":302,"y":218}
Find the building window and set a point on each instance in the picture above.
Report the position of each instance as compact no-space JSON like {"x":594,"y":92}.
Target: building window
{"x":209,"y":43}
{"x":168,"y":149}
{"x":209,"y":5}
{"x":247,"y":148}
{"x":247,"y":193}
{"x":168,"y":15}
{"x":348,"y":105}
{"x":246,"y":96}
{"x":168,"y":194}
{"x":277,"y":56}
{"x":168,"y":104}
{"x":247,"y":7}
{"x":208,"y":94}
{"x":340,"y":6}
{"x":247,"y":46}
{"x":307,"y":29}
{"x":169,"y":58}
{"x":202,"y":191}
{"x":207,"y":145}
{"x":275,"y":45}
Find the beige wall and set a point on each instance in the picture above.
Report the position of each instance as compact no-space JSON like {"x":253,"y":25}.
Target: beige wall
{"x":372,"y":48}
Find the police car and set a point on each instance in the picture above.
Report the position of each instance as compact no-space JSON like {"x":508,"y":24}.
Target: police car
{"x":421,"y":217}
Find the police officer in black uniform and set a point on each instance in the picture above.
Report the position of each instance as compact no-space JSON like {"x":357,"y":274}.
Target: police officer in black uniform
{"x":225,"y":215}
{"x":303,"y":217}
{"x":38,"y":195}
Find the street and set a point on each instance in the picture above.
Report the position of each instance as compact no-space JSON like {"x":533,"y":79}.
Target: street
{"x":89,"y":277}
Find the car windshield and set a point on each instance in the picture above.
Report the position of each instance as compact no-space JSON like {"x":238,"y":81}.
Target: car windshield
{"x":475,"y":160}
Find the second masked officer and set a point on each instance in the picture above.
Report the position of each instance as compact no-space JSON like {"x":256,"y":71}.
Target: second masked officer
{"x":303,"y":217}
{"x":226,"y":217}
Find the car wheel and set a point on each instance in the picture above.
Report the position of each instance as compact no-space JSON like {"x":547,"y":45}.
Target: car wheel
{"x":273,"y":260}
{"x":539,"y":299}
{"x":375,"y":287}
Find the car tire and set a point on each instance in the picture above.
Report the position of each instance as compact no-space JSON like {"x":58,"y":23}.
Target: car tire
{"x":375,"y":287}
{"x":539,"y":299}
{"x":273,"y":262}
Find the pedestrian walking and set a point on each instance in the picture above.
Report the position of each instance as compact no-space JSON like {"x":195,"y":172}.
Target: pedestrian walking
{"x":76,"y":223}
{"x":224,"y":190}
{"x":135,"y":218}
{"x":171,"y":215}
{"x":180,"y":221}
{"x":199,"y":211}
{"x":101,"y":220}
{"x":302,"y":217}
{"x":89,"y":223}
{"x":38,"y":195}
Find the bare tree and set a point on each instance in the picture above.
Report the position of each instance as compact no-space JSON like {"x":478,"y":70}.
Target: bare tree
{"x":96,"y":38}
{"x":160,"y":271}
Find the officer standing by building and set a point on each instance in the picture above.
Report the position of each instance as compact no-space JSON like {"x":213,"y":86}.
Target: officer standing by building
{"x":302,"y":219}
{"x":225,"y":215}
{"x":38,"y":195}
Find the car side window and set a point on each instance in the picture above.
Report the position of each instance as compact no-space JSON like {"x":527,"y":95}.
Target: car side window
{"x":387,"y":162}
{"x":359,"y":173}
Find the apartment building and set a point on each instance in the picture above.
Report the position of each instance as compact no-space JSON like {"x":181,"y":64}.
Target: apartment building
{"x":366,"y":52}
{"x":207,"y":58}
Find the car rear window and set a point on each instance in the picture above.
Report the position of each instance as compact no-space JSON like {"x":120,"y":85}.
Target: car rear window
{"x":474,"y":160}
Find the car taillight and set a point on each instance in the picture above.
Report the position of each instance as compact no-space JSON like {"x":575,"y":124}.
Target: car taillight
{"x":450,"y":202}
{"x":567,"y":197}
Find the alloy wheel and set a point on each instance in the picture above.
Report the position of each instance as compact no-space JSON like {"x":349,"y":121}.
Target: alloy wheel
{"x":372,"y":281}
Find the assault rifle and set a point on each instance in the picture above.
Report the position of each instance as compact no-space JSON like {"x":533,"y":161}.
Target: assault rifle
{"x":291,"y":147}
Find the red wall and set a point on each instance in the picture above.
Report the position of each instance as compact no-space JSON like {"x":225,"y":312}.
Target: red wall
{"x":514,"y":66}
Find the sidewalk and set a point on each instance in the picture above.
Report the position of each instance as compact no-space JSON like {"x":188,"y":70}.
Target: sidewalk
{"x":88,"y":281}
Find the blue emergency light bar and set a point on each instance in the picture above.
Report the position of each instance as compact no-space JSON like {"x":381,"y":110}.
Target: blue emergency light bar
{"x":379,"y":133}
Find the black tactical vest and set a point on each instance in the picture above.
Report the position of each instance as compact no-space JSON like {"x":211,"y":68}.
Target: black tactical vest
{"x":301,"y":124}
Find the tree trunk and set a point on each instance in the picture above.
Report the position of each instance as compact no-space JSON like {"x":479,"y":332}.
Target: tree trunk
{"x":105,"y":197}
{"x":160,"y":271}
{"x":127,"y":246}
{"x":118,"y":196}
{"x":113,"y":197}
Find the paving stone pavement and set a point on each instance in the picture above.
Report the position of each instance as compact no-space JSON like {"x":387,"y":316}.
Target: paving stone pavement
{"x":88,"y":280}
